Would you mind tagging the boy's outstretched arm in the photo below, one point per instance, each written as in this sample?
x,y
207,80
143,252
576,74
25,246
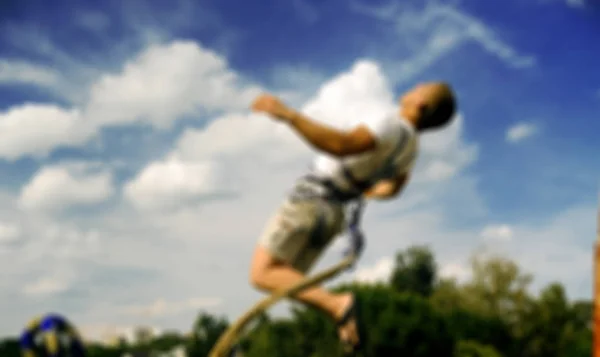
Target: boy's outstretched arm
x,y
324,138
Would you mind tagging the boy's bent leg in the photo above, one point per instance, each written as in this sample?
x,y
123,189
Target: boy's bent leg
x,y
292,241
271,274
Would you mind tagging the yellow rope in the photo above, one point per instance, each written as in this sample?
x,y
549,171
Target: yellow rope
x,y
228,339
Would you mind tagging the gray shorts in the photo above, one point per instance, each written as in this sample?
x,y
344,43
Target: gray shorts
x,y
301,229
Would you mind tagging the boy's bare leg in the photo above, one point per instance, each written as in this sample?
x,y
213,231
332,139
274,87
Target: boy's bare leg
x,y
270,274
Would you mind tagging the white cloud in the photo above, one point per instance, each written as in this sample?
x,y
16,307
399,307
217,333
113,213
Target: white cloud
x,y
45,286
378,272
457,270
576,3
501,232
349,97
36,129
447,153
165,184
9,232
45,64
221,140
58,187
215,160
563,259
53,243
161,85
546,250
520,132
12,71
440,29
57,248
164,83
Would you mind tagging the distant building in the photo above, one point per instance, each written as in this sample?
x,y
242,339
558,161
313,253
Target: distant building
x,y
115,336
178,351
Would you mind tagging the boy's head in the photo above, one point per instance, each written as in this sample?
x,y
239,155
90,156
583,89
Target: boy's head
x,y
429,105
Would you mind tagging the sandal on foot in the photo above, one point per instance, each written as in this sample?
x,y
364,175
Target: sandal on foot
x,y
351,314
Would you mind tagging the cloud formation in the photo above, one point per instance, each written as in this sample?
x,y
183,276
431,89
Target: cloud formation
x,y
61,186
171,231
520,132
159,86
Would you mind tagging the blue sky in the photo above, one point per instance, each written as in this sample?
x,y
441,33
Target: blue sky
x,y
121,130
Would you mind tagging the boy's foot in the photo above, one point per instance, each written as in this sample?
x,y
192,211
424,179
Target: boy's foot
x,y
348,325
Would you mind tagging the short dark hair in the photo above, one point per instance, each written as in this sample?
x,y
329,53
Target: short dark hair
x,y
440,110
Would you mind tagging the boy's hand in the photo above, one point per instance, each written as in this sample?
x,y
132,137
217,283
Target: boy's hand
x,y
271,105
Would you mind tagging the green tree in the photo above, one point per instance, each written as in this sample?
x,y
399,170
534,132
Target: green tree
x,y
402,324
583,314
449,295
97,350
475,349
166,341
494,308
415,314
489,307
9,347
205,333
276,339
553,327
394,324
498,288
414,271
486,330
